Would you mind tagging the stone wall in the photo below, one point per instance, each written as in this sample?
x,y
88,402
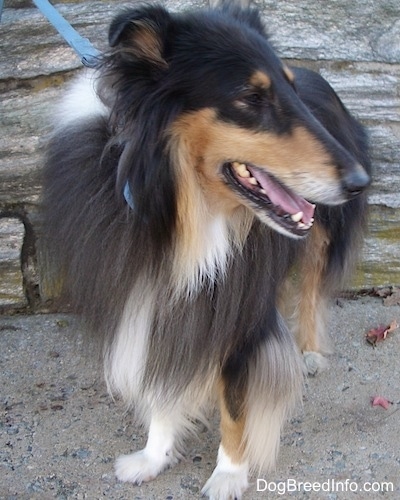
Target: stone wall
x,y
354,45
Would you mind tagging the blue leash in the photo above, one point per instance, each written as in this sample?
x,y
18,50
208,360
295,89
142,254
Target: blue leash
x,y
87,53
85,50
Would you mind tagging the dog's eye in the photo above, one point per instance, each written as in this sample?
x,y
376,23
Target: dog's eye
x,y
253,99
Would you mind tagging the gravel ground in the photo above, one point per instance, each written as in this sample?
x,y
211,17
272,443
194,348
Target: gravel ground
x,y
60,431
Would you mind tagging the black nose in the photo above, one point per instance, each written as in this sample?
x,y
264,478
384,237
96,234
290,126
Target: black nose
x,y
355,181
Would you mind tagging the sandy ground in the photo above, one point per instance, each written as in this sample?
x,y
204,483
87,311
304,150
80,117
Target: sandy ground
x,y
60,431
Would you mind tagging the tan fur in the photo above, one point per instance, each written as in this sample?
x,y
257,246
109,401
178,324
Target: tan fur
x,y
288,73
260,79
304,302
200,144
232,431
294,158
145,43
311,302
204,203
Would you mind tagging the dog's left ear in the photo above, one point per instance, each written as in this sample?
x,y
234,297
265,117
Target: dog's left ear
x,y
141,34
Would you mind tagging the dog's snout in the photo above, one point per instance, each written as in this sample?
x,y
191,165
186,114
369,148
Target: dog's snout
x,y
355,181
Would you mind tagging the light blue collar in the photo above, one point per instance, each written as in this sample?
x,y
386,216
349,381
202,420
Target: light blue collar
x,y
128,196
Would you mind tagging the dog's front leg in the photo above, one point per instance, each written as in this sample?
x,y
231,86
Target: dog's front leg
x,y
312,301
230,477
158,454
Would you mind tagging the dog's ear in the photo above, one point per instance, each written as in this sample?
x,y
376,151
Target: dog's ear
x,y
249,16
141,33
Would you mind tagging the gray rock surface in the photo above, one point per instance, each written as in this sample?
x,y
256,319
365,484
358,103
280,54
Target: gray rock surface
x,y
355,45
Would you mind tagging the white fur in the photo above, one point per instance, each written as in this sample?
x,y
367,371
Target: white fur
x,y
126,359
205,258
169,424
81,101
229,480
216,247
263,432
314,362
275,387
158,454
169,418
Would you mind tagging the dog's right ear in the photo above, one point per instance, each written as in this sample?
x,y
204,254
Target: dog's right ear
x,y
245,13
141,33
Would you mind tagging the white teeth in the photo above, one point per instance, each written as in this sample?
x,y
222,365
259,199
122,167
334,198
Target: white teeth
x,y
241,169
301,225
253,181
297,217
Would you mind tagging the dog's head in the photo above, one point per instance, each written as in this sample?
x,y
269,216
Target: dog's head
x,y
208,88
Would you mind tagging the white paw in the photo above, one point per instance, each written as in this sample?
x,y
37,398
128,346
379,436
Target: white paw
x,y
225,486
228,481
140,467
314,362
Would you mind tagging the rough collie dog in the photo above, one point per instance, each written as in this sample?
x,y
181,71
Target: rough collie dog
x,y
185,178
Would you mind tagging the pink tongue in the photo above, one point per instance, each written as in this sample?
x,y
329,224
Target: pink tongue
x,y
289,201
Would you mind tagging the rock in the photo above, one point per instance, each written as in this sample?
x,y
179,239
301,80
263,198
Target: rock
x,y
355,46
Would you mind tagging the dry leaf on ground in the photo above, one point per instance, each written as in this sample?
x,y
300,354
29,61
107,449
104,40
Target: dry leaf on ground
x,y
380,401
381,332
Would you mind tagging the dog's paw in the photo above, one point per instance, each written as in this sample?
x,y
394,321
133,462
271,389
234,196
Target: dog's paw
x,y
225,486
314,362
228,481
140,467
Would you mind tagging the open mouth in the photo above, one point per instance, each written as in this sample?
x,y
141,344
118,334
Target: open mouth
x,y
286,208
